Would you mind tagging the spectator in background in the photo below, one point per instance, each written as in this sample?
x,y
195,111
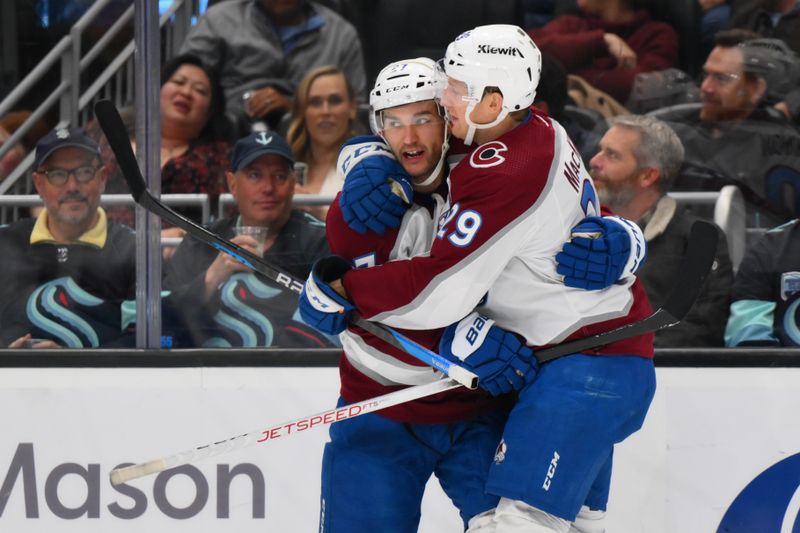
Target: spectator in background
x,y
782,76
68,271
765,308
608,44
638,161
774,19
8,125
12,158
716,14
323,117
221,300
584,126
779,19
261,49
195,147
734,137
537,13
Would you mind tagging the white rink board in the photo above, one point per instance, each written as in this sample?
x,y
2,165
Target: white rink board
x,y
708,434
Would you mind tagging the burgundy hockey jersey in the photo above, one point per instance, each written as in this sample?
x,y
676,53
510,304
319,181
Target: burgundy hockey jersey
x,y
371,367
513,202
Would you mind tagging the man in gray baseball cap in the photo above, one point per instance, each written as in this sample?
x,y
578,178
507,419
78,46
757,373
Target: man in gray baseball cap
x,y
222,301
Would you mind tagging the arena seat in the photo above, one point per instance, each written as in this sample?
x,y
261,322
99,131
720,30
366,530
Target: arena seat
x,y
782,183
728,213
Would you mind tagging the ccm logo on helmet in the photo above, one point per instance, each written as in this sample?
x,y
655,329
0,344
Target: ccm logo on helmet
x,y
398,88
510,51
488,155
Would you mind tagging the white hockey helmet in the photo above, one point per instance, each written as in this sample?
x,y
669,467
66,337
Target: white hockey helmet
x,y
400,83
497,55
405,82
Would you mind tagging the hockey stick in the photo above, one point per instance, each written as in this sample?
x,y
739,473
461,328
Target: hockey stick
x,y
694,269
114,130
696,264
298,425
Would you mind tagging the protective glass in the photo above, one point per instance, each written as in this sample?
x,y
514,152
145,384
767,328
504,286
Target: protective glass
x,y
389,122
256,176
59,176
449,89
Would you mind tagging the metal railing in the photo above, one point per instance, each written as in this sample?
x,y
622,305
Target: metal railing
x,y
199,200
115,82
226,201
729,215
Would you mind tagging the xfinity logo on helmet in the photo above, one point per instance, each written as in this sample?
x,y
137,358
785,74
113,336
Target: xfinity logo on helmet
x,y
510,51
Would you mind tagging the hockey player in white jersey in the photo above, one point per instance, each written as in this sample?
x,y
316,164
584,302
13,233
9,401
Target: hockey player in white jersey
x,y
513,200
375,468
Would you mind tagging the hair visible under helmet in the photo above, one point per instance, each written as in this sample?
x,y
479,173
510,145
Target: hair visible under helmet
x,y
497,55
401,83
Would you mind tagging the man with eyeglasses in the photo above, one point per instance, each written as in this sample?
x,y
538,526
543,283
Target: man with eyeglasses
x,y
66,273
735,137
222,301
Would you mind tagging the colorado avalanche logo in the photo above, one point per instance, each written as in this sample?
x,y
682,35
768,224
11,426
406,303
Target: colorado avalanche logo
x,y
771,502
488,155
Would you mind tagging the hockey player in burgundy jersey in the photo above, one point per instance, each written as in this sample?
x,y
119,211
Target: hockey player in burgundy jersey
x,y
375,468
462,427
512,202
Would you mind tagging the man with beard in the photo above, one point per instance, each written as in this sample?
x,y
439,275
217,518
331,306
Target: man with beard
x,y
512,202
261,49
638,161
735,138
67,273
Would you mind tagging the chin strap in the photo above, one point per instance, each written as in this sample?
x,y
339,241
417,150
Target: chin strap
x,y
440,165
473,126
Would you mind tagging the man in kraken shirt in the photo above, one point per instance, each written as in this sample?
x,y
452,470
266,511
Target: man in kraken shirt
x,y
66,273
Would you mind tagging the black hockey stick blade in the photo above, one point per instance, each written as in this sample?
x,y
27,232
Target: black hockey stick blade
x,y
694,270
115,131
697,264
111,123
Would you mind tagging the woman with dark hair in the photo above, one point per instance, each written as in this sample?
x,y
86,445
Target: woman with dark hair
x,y
195,142
323,117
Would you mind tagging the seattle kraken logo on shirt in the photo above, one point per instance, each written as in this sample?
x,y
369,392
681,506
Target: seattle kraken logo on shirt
x,y
62,310
241,317
787,321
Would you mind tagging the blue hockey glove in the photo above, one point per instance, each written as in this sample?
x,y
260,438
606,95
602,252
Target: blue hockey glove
x,y
377,190
603,250
320,306
496,356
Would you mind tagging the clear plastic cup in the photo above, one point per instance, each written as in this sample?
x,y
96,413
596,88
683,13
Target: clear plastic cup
x,y
31,343
300,171
259,233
